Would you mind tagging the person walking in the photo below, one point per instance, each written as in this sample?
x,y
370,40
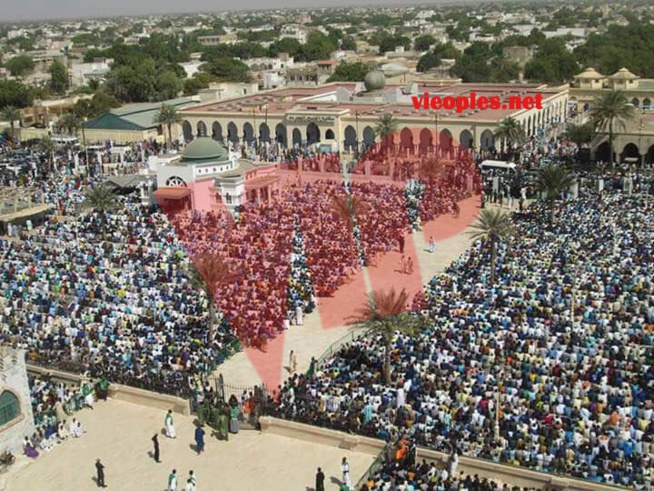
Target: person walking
x,y
99,468
432,244
170,428
345,471
293,362
400,241
155,441
191,480
172,481
320,480
199,439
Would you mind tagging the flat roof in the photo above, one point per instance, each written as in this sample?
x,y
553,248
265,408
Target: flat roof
x,y
281,101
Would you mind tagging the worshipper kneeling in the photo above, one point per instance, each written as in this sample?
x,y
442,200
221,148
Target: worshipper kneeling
x,y
29,449
76,428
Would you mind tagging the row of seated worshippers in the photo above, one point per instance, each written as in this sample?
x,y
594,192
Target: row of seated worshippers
x,y
53,405
329,163
258,247
558,351
109,293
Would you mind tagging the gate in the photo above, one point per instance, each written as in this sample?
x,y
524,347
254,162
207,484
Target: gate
x,y
250,400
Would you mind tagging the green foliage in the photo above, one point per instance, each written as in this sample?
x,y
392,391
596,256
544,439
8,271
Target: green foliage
x,y
100,198
199,81
620,46
388,42
59,81
92,108
423,43
227,70
348,43
552,63
428,61
22,43
350,72
478,64
492,226
19,66
317,47
168,85
609,112
259,36
286,45
13,93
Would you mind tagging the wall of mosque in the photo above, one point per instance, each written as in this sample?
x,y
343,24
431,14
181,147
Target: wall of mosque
x,y
14,400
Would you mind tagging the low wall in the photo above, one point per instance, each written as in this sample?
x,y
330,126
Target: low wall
x,y
122,392
517,476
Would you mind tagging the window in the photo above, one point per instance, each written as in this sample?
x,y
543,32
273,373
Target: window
x,y
9,407
228,199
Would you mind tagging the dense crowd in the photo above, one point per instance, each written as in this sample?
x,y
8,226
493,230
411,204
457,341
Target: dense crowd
x,y
550,368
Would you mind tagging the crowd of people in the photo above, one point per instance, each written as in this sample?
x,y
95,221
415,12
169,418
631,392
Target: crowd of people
x,y
549,368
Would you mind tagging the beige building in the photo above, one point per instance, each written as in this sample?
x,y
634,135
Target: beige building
x,y
590,83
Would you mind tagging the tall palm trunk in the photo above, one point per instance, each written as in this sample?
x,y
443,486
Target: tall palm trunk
x,y
611,140
388,342
170,133
211,324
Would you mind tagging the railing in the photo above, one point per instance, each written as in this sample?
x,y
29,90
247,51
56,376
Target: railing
x,y
336,346
371,471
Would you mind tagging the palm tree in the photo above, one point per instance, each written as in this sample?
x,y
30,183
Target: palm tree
x,y
100,198
348,208
492,226
384,314
608,110
512,133
386,126
553,180
12,114
71,123
207,273
47,146
431,169
579,133
167,116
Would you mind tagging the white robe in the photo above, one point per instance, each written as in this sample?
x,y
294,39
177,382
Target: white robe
x,y
299,316
170,429
345,469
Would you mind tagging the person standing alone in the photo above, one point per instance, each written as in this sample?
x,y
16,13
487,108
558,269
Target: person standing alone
x,y
155,441
100,474
170,429
320,480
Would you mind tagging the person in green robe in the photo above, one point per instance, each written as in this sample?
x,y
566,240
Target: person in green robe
x,y
223,425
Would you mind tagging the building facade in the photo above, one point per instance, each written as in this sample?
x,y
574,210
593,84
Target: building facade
x,y
16,418
348,114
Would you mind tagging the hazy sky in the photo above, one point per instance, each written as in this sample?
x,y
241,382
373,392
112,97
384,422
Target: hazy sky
x,y
13,10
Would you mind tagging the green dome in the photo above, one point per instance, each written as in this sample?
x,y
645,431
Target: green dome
x,y
374,80
205,149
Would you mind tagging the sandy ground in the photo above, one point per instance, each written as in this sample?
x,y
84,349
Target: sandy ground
x,y
119,434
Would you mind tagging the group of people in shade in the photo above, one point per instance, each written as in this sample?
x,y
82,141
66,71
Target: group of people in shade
x,y
549,367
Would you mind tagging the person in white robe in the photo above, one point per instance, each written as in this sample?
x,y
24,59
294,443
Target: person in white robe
x,y
170,429
345,471
77,430
299,316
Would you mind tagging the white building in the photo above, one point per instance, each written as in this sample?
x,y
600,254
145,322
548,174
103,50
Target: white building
x,y
294,31
16,418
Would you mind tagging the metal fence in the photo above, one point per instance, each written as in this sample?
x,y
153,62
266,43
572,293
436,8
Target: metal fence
x,y
333,348
374,468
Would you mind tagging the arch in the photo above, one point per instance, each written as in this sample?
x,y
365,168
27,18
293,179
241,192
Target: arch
x,y
649,156
217,131
406,138
202,128
426,139
297,137
248,133
603,152
635,101
187,131
232,132
445,139
351,140
368,136
465,138
329,135
175,181
280,135
9,407
264,133
630,150
313,133
487,140
647,103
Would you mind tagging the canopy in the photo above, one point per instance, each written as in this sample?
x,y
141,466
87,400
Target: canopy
x,y
498,164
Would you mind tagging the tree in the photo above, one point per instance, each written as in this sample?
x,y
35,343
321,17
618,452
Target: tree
x,y
553,180
207,274
11,114
512,133
384,314
100,198
70,122
349,208
552,63
59,81
608,110
386,126
348,43
350,72
424,42
580,134
227,70
19,66
168,85
428,61
317,47
291,46
492,226
47,146
13,93
389,43
197,82
167,116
